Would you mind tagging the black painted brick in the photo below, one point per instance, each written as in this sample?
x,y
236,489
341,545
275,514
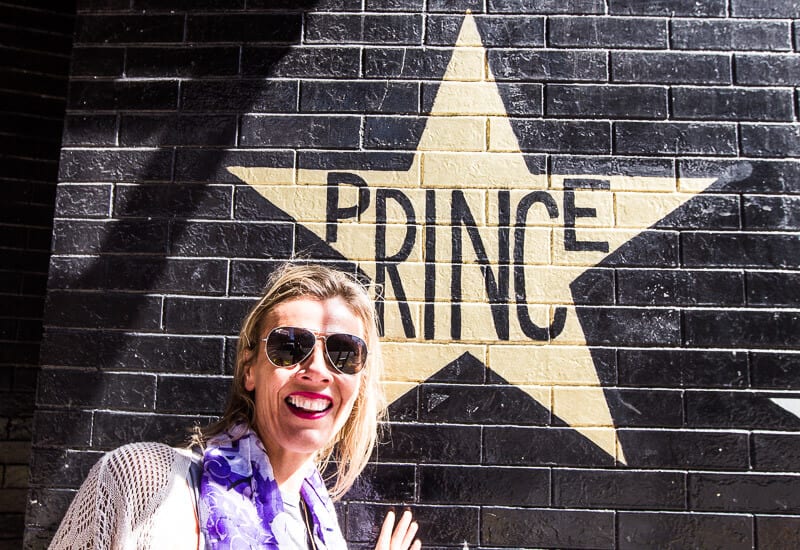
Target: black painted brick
x,y
765,70
260,240
776,452
112,350
518,527
406,62
62,428
548,65
128,28
771,140
140,273
90,388
536,446
612,166
83,201
775,370
45,510
496,31
341,132
364,29
643,408
578,7
238,27
123,95
781,9
195,201
478,485
384,482
99,310
293,5
648,249
630,326
211,165
607,32
115,165
300,61
393,133
183,62
606,101
61,468
457,6
433,444
680,449
656,287
744,492
204,315
159,130
359,96
670,68
87,237
732,104
736,409
767,212
675,138
192,395
731,35
393,5
701,249
362,160
773,289
745,176
675,531
239,95
555,136
35,127
679,8
619,489
480,404
757,329
777,531
682,368
183,5
90,130
113,429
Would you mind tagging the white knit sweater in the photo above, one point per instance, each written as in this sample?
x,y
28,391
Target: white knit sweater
x,y
135,497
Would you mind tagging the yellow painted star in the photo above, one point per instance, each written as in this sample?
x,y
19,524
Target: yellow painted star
x,y
468,224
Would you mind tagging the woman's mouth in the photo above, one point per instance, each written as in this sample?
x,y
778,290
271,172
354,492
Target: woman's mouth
x,y
309,405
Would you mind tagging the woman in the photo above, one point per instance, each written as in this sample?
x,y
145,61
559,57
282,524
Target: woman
x,y
306,391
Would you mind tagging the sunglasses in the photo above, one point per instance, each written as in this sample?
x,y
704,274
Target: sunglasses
x,y
288,346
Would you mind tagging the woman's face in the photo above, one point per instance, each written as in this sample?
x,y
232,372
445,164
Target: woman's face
x,y
300,409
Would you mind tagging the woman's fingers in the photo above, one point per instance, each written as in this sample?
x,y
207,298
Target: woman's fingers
x,y
400,537
385,536
410,529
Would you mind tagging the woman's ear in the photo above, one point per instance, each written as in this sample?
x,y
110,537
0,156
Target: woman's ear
x,y
249,374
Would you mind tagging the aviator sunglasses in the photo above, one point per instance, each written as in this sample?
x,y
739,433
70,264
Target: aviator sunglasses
x,y
288,346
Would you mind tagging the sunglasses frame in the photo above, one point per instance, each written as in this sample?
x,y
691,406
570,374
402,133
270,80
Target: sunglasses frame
x,y
318,336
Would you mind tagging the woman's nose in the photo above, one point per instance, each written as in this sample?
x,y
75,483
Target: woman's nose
x,y
316,365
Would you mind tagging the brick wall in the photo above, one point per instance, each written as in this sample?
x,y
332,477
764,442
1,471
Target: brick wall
x,y
34,63
584,214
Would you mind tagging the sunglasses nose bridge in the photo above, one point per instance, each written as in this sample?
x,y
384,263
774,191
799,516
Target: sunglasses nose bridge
x,y
318,357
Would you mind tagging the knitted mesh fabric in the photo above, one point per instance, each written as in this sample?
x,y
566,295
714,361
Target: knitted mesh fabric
x,y
115,506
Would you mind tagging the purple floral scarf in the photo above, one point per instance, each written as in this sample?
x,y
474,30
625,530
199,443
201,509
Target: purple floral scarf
x,y
240,504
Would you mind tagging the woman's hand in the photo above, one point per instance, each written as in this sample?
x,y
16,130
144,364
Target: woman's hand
x,y
403,536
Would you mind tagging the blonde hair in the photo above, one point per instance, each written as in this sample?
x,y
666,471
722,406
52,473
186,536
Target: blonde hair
x,y
351,448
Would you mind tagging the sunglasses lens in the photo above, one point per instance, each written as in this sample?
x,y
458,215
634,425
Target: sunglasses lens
x,y
287,346
346,352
